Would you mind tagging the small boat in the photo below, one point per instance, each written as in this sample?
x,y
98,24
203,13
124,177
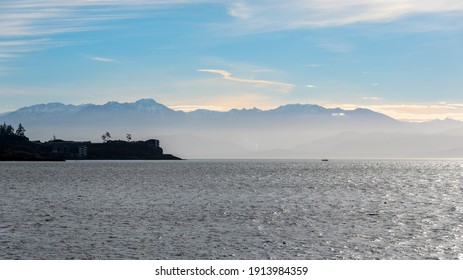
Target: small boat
x,y
324,159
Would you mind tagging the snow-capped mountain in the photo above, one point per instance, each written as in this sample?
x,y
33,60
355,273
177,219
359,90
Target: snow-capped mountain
x,y
50,108
148,110
293,130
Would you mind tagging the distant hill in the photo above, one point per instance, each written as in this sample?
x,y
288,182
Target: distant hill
x,y
19,148
149,111
289,131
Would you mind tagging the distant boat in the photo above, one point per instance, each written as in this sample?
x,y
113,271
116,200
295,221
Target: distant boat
x,y
324,159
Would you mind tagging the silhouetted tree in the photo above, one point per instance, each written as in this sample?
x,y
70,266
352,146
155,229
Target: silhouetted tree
x,y
129,137
106,137
20,131
6,129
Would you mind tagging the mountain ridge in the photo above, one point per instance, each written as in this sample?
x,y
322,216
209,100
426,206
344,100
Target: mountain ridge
x,y
291,130
151,106
151,103
145,111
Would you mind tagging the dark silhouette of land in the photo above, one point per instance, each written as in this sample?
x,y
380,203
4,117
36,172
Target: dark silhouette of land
x,y
15,146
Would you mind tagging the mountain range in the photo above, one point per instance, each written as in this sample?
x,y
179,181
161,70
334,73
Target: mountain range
x,y
289,131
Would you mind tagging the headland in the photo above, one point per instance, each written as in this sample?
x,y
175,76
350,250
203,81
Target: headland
x,y
18,147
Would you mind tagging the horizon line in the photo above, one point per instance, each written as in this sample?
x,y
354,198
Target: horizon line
x,y
181,108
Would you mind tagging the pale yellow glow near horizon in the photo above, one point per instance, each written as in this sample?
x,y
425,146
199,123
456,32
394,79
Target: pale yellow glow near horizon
x,y
411,112
403,112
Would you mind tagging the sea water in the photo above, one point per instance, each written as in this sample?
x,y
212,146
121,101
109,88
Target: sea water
x,y
262,209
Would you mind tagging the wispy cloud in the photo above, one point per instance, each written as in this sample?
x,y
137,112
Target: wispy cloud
x,y
32,19
240,10
102,59
296,14
45,17
39,17
15,48
228,76
310,86
24,21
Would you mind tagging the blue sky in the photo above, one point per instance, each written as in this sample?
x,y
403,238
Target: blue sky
x,y
400,57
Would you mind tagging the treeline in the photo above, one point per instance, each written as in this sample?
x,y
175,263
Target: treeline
x,y
8,129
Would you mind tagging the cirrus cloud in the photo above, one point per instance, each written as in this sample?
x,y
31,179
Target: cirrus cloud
x,y
30,19
228,76
102,59
297,14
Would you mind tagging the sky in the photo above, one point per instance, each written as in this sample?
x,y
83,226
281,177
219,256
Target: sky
x,y
403,58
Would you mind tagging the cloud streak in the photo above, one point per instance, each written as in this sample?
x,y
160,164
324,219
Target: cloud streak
x,y
298,14
39,17
102,59
228,76
45,17
31,19
16,48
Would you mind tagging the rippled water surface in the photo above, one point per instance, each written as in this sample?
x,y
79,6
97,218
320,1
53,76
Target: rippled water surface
x,y
232,210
